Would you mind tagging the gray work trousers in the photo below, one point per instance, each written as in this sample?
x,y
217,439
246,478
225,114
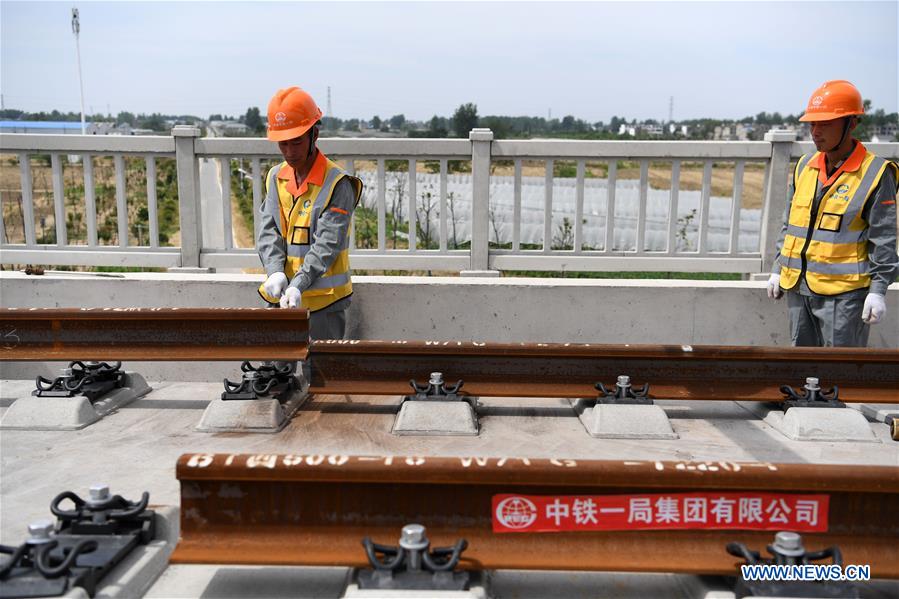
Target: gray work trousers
x,y
322,325
827,321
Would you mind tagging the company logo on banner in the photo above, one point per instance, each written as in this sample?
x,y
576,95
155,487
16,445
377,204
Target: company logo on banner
x,y
660,511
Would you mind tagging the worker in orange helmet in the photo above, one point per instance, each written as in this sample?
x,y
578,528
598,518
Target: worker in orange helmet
x,y
836,254
303,238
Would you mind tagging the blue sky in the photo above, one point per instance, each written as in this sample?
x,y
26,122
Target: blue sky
x,y
590,59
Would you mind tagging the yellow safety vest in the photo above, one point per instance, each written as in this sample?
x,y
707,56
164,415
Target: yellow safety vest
x,y
297,219
835,246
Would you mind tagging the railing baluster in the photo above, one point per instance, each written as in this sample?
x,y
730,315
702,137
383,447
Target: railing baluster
x,y
735,208
548,206
59,200
704,207
382,206
152,202
516,207
443,213
610,206
90,200
257,196
413,215
639,245
121,205
351,170
225,176
579,207
672,207
3,239
27,199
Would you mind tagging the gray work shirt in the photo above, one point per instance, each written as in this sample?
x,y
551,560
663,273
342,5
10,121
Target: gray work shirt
x,y
880,214
331,230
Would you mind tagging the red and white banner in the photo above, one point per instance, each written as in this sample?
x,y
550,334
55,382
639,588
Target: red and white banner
x,y
660,511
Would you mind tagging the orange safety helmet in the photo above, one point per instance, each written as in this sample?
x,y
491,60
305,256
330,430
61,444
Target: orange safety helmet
x,y
833,100
291,113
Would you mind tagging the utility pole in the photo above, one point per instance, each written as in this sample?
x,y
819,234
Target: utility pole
x,y
76,29
671,109
329,113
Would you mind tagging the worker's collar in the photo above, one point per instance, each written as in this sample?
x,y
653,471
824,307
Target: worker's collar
x,y
316,175
850,165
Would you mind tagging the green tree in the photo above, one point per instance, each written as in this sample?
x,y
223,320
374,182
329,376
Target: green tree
x,y
465,119
437,127
397,121
125,117
253,120
376,122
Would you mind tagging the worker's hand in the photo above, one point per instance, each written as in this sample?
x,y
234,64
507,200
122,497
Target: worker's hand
x,y
875,308
292,298
774,291
274,285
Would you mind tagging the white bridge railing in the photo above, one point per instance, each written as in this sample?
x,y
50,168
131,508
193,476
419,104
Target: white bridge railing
x,y
497,218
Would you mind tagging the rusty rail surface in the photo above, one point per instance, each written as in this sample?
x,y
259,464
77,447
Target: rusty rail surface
x,y
166,334
571,370
315,509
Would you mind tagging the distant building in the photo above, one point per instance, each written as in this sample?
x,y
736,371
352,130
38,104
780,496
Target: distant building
x,y
65,128
229,128
45,127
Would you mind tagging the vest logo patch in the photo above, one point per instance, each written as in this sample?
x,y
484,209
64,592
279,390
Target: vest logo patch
x,y
306,204
842,193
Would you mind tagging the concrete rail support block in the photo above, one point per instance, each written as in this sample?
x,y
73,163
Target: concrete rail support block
x,y
252,415
822,424
137,572
609,421
71,413
436,418
478,588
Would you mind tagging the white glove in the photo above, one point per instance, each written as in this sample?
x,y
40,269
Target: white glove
x,y
875,308
275,284
774,291
291,298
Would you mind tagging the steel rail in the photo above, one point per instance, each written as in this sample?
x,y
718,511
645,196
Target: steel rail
x,y
315,509
165,334
571,370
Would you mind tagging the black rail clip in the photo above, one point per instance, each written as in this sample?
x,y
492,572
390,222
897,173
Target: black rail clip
x,y
80,548
787,550
91,379
623,393
414,565
437,390
811,396
270,379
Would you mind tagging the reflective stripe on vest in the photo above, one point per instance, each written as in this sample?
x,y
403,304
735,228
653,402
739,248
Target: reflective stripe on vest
x,y
298,219
836,259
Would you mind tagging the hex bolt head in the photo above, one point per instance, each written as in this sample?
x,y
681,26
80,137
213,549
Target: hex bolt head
x,y
99,493
788,543
414,537
624,381
811,383
39,531
436,378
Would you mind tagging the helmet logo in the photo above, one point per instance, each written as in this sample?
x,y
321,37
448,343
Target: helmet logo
x,y
280,117
817,100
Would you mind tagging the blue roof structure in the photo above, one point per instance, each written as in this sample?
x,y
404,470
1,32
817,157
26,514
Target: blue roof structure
x,y
41,125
